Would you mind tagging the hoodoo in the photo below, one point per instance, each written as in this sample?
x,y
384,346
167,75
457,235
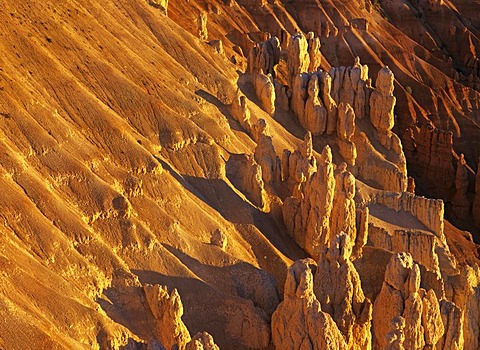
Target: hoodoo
x,y
240,174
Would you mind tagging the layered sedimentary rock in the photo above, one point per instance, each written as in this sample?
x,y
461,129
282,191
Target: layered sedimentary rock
x,y
338,287
427,243
428,211
350,85
299,321
90,97
329,103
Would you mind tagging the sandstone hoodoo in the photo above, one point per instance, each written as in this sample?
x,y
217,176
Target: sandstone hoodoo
x,y
241,174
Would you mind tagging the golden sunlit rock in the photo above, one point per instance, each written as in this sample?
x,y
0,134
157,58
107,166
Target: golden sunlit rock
x,y
239,174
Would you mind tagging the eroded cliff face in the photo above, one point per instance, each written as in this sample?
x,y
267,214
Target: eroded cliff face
x,y
235,175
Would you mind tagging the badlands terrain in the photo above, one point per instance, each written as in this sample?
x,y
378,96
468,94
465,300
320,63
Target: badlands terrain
x,y
240,174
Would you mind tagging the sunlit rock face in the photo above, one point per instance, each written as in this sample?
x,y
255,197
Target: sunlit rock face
x,y
239,175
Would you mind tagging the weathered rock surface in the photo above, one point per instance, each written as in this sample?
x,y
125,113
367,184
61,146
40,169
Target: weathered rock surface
x,y
245,174
345,131
167,310
264,57
298,166
266,157
314,52
460,202
476,201
162,5
343,218
299,321
240,111
315,116
307,213
202,26
381,105
401,296
265,91
202,341
219,239
298,57
337,286
429,153
115,133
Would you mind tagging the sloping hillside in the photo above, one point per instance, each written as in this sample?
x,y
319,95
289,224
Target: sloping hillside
x,y
122,155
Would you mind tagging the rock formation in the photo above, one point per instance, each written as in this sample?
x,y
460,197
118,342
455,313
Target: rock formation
x,y
476,201
265,91
219,239
264,57
167,310
162,5
282,95
202,341
202,26
298,166
345,131
171,332
314,52
453,320
97,98
395,337
329,103
298,57
307,213
429,153
299,87
245,174
266,157
350,85
315,115
343,218
401,295
299,322
240,111
381,105
362,217
338,287
460,202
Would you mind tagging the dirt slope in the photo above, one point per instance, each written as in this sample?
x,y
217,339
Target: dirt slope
x,y
115,131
